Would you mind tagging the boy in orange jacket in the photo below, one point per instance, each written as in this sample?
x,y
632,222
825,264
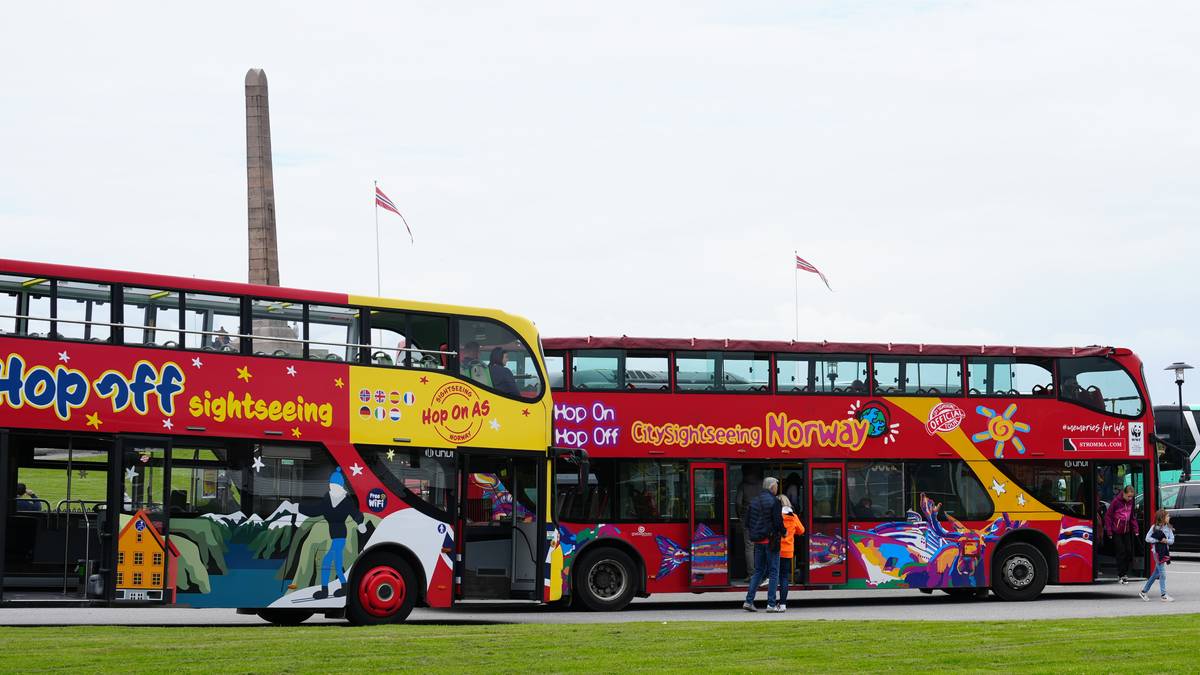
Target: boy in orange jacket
x,y
787,550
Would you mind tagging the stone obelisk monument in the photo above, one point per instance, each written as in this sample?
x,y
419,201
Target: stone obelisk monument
x,y
260,182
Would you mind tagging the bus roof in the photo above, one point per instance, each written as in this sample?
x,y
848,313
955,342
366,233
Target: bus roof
x,y
709,344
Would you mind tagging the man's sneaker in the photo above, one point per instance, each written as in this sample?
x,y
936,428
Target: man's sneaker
x,y
1124,581
782,607
774,609
1144,596
749,607
1165,598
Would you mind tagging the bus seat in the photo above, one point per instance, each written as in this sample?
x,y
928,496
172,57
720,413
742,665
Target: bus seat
x,y
443,348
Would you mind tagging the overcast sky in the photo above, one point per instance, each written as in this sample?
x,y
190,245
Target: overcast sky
x,y
1006,172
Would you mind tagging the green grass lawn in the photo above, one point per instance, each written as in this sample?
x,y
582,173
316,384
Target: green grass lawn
x,y
1142,643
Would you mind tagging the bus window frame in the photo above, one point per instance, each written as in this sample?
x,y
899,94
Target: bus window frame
x,y
831,356
1142,397
903,361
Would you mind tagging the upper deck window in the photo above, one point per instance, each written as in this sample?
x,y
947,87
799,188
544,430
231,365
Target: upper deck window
x,y
38,304
595,369
1099,383
646,371
276,326
213,322
556,365
151,317
696,371
83,310
745,371
918,375
1010,376
409,340
494,356
330,331
821,373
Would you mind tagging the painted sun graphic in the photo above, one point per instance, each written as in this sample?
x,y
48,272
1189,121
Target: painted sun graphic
x,y
1002,429
876,414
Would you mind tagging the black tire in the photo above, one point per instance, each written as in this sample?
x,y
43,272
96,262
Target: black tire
x,y
1019,572
604,579
383,589
284,617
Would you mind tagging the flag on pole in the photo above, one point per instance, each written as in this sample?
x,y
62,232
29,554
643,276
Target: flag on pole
x,y
388,205
802,264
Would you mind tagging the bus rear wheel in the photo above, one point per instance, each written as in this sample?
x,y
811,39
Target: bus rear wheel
x,y
604,580
284,617
1019,572
383,590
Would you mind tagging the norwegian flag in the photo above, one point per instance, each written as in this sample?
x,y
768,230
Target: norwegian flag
x,y
802,264
388,205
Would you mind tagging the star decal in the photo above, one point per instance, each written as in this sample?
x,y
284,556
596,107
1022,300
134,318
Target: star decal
x,y
998,487
495,425
391,454
258,463
295,432
337,382
424,380
197,363
64,357
130,473
168,424
1020,500
93,420
291,370
525,412
243,373
355,469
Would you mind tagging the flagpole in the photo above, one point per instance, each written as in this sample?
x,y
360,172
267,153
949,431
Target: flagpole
x,y
378,273
796,283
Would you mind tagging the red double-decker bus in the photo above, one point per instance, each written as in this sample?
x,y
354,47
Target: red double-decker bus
x,y
959,468
166,440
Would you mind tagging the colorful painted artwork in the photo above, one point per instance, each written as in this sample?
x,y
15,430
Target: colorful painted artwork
x,y
673,556
570,542
1075,541
489,487
1001,429
825,550
925,552
709,552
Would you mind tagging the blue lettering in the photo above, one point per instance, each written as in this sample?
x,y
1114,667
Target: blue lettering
x,y
72,392
11,379
112,385
144,380
39,387
170,385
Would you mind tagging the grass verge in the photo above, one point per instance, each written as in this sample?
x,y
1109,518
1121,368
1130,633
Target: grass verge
x,y
1058,646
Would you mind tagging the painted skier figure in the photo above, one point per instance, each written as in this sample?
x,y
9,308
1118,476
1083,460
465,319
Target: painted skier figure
x,y
335,507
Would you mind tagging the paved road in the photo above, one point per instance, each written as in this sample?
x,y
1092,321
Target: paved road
x,y
1059,602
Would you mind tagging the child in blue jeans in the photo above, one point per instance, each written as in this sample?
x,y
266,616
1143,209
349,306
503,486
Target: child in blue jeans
x,y
1160,537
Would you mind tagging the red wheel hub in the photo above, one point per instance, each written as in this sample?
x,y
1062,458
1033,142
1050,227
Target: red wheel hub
x,y
381,591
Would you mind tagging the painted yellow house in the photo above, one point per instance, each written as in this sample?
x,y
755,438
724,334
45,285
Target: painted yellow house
x,y
146,564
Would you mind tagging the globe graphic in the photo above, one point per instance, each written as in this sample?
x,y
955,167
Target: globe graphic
x,y
877,418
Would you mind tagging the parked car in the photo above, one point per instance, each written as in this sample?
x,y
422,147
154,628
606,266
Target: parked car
x,y
1182,501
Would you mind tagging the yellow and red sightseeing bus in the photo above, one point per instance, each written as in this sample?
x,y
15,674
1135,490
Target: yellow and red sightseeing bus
x,y
173,441
911,466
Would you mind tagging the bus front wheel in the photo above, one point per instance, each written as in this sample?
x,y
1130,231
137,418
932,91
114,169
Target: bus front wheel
x,y
1019,572
604,580
284,617
383,590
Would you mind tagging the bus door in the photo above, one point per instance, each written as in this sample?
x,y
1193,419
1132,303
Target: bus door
x,y
827,523
1110,479
709,526
499,525
146,560
52,532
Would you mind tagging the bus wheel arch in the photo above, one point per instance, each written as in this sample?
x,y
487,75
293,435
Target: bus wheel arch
x,y
605,562
1020,568
386,582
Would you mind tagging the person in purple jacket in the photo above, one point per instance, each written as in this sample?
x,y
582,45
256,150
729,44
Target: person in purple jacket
x,y
1120,524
